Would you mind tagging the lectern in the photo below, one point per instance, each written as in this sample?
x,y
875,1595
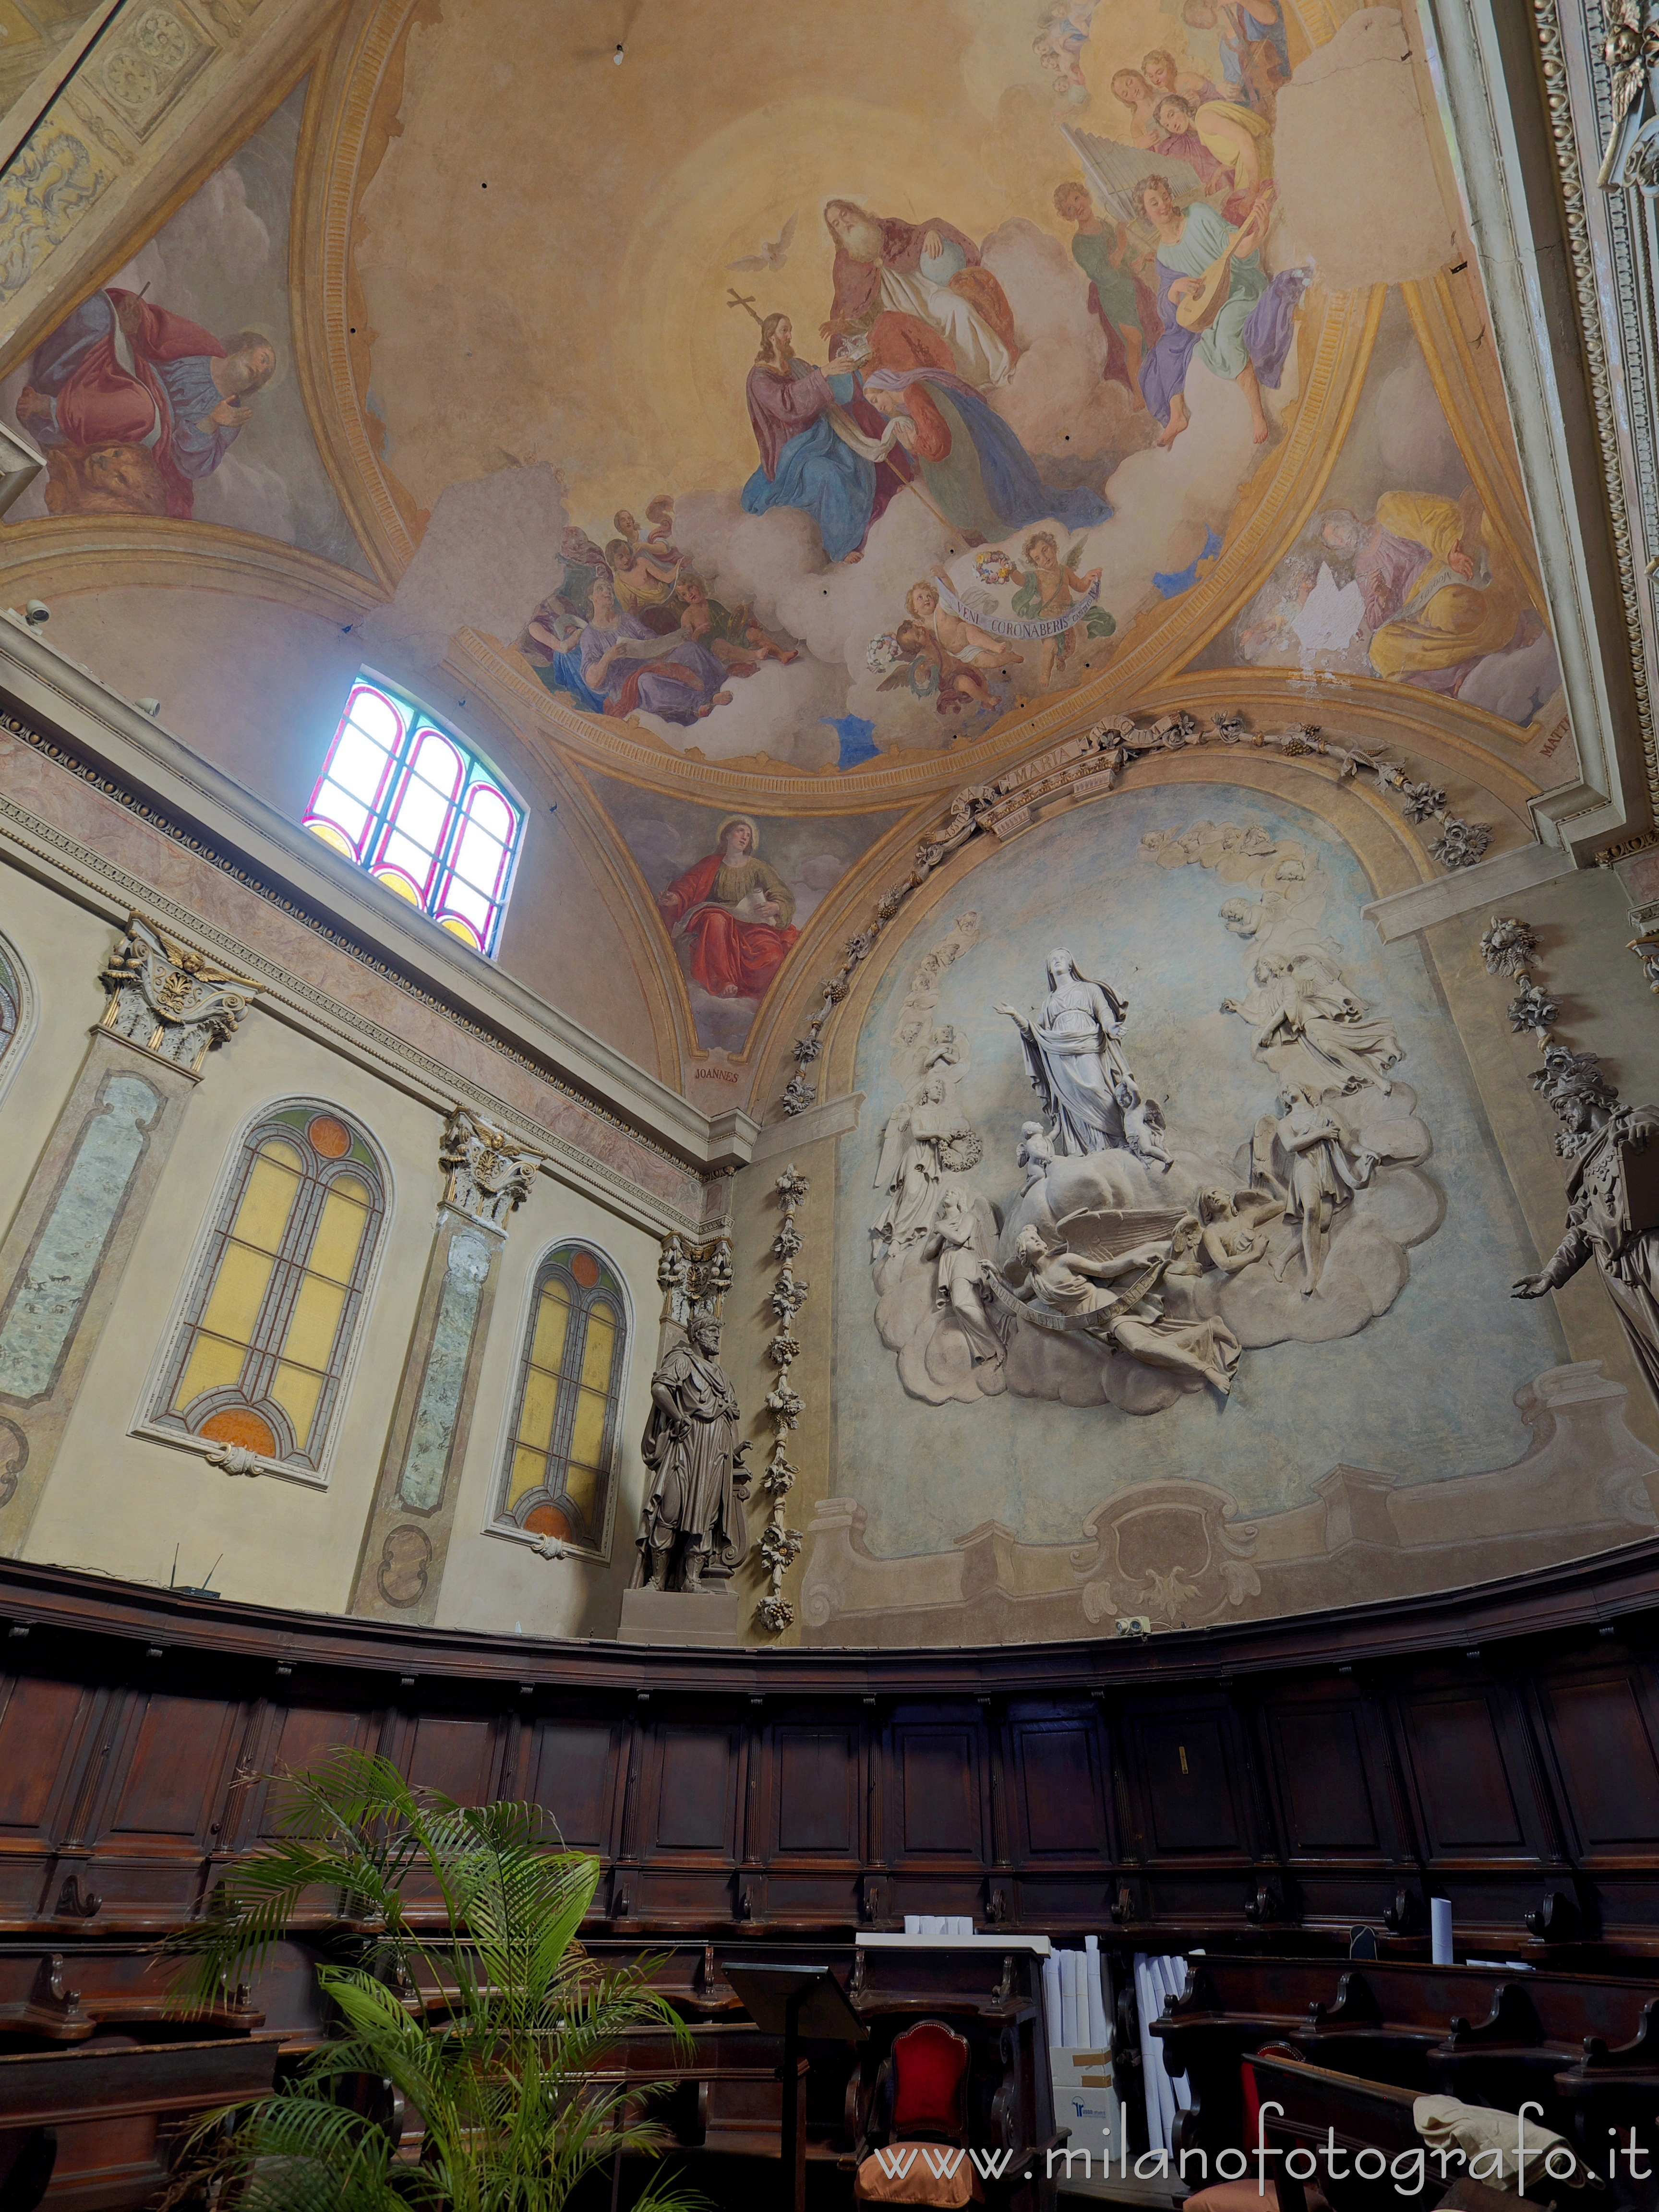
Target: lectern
x,y
794,2002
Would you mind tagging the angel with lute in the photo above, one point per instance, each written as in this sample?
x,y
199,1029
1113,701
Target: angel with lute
x,y
1217,302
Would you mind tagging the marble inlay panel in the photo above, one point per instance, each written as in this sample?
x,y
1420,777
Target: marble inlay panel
x,y
433,1433
51,1293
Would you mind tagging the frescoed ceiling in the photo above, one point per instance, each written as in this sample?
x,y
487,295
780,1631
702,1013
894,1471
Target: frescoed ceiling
x,y
790,416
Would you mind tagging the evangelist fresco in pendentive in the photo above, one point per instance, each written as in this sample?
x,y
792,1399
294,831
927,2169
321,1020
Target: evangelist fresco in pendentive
x,y
888,405
171,391
1403,572
733,891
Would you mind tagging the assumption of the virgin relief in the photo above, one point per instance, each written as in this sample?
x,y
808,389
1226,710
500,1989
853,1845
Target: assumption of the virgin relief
x,y
1002,648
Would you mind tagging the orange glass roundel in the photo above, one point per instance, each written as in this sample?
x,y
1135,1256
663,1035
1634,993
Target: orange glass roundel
x,y
329,1137
585,1269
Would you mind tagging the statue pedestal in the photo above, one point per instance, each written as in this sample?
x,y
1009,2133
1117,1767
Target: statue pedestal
x,y
654,1616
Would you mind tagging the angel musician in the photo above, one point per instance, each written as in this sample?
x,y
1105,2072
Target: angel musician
x,y
1105,1269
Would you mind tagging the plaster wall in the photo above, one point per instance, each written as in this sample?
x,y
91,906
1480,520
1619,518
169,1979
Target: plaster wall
x,y
116,1503
257,688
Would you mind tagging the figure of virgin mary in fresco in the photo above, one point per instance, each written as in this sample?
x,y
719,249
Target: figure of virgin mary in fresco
x,y
823,447
976,471
733,913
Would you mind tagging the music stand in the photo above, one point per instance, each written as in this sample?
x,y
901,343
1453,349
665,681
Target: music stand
x,y
794,2002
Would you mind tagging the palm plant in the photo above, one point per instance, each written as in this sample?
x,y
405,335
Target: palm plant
x,y
491,2026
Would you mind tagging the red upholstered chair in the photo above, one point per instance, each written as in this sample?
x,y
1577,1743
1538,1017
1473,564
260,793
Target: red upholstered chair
x,y
929,2083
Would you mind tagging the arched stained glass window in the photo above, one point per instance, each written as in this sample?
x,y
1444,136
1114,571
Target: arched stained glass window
x,y
561,1451
262,1352
421,812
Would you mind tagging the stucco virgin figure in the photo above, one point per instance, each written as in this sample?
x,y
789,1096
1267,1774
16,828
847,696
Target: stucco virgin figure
x,y
1075,1058
698,1481
1613,1217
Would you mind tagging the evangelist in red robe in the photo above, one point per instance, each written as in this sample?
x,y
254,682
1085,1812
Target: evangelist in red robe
x,y
711,910
153,387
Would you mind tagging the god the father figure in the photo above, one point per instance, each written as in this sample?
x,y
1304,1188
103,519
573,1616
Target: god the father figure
x,y
699,1482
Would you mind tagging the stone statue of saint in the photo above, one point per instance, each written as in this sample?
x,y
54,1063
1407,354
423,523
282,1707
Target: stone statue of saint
x,y
1612,1214
1074,1055
692,1523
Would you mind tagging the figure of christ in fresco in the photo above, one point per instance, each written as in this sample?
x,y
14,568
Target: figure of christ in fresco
x,y
1125,307
1250,334
930,271
625,666
976,474
733,913
823,448
135,404
1438,594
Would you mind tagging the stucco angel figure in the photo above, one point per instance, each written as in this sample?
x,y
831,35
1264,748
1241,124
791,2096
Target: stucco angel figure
x,y
1074,1054
908,1168
1104,1273
965,1281
1310,1028
1310,1152
694,1507
1613,1217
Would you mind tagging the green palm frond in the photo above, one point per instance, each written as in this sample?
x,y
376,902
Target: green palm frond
x,y
459,1983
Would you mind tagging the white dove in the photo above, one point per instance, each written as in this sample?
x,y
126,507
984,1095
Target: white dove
x,y
769,257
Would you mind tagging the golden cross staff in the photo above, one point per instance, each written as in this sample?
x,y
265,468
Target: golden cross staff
x,y
735,299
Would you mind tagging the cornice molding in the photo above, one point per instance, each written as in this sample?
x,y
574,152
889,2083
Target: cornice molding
x,y
140,763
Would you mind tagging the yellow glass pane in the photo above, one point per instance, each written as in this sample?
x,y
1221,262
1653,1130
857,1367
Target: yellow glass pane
x,y
400,883
581,1488
552,1320
269,1199
541,1399
297,1394
596,1352
529,1472
588,1430
233,1305
330,836
339,1232
211,1366
313,1322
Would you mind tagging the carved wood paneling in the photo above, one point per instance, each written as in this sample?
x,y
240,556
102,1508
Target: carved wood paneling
x,y
1279,1801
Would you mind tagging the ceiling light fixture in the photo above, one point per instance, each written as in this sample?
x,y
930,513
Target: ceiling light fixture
x,y
618,55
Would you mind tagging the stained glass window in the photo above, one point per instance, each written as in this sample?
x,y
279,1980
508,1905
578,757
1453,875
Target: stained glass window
x,y
562,1452
262,1352
421,811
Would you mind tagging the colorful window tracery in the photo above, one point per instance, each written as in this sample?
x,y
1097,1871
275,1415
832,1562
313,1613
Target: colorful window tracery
x,y
261,1355
561,1452
424,815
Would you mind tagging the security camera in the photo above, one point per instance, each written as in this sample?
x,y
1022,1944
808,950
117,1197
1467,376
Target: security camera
x,y
151,707
37,612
